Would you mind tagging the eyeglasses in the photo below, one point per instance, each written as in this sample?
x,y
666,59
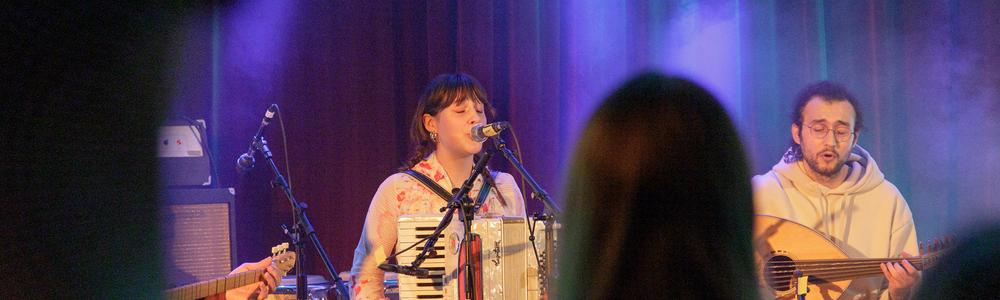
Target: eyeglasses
x,y
841,133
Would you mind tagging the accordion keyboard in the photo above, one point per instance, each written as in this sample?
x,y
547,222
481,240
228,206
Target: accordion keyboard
x,y
412,229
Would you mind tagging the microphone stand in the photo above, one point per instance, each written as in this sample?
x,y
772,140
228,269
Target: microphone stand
x,y
548,215
302,227
468,213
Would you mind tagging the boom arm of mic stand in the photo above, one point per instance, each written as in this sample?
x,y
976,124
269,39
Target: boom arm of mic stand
x,y
542,194
304,226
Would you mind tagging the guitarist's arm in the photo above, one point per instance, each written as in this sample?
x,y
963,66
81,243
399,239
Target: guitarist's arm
x,y
257,290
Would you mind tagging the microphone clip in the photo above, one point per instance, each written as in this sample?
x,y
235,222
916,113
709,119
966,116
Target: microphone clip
x,y
246,160
405,270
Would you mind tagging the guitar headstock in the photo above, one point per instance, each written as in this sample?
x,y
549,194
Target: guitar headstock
x,y
283,259
933,249
937,245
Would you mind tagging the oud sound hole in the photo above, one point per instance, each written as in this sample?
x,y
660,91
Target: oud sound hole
x,y
778,272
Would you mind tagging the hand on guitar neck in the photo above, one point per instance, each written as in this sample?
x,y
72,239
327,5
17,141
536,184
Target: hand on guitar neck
x,y
902,276
259,290
248,281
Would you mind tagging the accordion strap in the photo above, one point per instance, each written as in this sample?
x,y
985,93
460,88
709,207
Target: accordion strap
x,y
440,191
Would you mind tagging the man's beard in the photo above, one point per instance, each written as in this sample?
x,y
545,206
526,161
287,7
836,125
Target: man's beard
x,y
829,171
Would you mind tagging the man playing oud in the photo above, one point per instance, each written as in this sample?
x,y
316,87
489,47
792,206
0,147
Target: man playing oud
x,y
827,182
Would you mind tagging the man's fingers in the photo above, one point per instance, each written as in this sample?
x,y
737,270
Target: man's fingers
x,y
889,272
900,270
271,276
262,293
901,277
909,267
263,263
241,268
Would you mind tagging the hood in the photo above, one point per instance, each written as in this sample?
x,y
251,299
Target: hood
x,y
857,182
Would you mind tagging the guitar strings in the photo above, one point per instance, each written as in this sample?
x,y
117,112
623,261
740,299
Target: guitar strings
x,y
829,273
827,267
831,269
818,261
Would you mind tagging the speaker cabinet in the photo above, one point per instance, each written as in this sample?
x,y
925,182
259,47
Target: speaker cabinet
x,y
198,239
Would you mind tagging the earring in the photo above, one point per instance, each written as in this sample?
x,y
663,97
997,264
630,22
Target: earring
x,y
434,137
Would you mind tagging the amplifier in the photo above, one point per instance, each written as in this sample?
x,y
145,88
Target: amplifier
x,y
197,230
183,157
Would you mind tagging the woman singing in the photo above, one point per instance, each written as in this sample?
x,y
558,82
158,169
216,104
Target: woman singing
x,y
444,152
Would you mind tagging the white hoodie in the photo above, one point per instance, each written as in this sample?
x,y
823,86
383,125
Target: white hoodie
x,y
865,216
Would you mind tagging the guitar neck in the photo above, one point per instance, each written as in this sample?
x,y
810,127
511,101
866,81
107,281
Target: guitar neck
x,y
841,269
215,286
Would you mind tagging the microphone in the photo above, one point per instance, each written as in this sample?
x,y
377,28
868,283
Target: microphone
x,y
482,132
405,270
246,161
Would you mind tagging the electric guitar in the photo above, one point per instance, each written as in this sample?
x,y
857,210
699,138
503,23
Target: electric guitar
x,y
282,259
785,251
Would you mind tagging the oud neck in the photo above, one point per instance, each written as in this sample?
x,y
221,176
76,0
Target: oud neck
x,y
215,286
841,269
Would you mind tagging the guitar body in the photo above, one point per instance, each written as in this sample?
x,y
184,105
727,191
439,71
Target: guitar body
x,y
778,241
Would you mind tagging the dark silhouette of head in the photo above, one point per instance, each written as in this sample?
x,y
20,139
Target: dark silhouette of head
x,y
658,199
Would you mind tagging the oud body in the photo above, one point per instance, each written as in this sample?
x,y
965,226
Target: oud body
x,y
784,251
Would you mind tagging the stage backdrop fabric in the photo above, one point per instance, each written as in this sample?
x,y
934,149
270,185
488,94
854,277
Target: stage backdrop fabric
x,y
347,75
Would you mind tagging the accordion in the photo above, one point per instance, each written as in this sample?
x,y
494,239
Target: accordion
x,y
505,261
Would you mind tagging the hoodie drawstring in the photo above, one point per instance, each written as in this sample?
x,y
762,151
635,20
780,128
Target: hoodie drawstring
x,y
827,218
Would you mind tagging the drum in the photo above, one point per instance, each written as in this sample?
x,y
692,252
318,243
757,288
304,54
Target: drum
x,y
319,289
